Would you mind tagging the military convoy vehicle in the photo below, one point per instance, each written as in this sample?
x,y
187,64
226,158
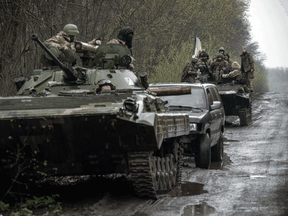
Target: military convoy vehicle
x,y
90,121
236,99
206,117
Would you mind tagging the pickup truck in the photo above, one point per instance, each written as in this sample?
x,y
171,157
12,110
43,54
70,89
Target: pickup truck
x,y
204,106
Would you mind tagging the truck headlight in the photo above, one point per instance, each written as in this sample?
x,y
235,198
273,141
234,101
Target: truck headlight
x,y
193,127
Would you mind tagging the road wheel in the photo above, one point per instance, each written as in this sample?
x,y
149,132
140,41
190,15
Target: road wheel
x,y
217,150
158,172
203,155
245,116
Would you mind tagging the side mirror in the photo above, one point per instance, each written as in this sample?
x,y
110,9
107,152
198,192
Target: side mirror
x,y
215,105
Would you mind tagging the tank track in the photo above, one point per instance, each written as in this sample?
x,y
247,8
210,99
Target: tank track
x,y
154,175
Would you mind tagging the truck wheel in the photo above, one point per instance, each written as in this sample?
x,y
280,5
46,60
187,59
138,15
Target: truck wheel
x,y
217,150
245,116
203,155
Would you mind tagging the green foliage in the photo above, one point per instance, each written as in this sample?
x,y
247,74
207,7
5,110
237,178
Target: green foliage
x,y
4,206
48,202
170,67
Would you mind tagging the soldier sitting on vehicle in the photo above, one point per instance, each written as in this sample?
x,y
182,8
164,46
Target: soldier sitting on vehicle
x,y
62,46
227,58
221,50
235,74
218,67
125,37
189,73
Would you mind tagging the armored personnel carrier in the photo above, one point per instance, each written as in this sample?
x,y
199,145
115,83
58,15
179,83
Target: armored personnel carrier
x,y
235,97
80,121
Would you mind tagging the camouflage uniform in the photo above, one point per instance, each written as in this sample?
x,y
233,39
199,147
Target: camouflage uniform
x,y
235,74
247,68
189,73
63,43
218,68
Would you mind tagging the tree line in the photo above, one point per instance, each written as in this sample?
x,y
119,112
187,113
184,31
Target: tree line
x,y
163,32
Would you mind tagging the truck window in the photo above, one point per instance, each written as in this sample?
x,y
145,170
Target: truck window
x,y
214,94
217,94
210,98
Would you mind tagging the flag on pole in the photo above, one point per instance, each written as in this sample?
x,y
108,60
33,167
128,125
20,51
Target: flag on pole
x,y
197,47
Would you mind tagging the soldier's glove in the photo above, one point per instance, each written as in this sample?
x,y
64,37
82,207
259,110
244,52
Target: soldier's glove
x,y
252,70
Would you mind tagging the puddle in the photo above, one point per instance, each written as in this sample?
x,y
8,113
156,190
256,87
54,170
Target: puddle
x,y
188,189
257,176
228,140
139,214
202,209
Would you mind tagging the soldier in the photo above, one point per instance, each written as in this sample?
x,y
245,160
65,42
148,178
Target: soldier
x,y
221,50
189,73
227,58
62,46
247,68
218,67
125,37
235,74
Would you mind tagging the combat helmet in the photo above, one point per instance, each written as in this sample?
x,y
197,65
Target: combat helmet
x,y
220,55
221,49
194,60
71,29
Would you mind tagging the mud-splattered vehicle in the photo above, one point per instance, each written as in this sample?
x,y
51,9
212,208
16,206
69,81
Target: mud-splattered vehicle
x,y
81,121
236,98
206,117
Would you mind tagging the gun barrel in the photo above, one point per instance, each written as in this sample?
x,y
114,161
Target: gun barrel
x,y
82,47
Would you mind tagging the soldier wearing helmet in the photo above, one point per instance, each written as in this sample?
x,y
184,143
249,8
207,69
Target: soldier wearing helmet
x,y
62,46
189,73
218,67
247,68
221,50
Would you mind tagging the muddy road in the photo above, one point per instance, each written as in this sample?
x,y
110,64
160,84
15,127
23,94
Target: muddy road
x,y
252,179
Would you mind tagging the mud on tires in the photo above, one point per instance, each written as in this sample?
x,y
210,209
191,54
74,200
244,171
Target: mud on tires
x,y
203,155
217,150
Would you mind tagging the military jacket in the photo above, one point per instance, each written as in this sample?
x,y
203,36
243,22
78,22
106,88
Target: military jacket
x,y
61,41
189,73
247,62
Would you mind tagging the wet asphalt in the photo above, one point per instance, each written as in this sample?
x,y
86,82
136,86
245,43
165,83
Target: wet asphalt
x,y
251,180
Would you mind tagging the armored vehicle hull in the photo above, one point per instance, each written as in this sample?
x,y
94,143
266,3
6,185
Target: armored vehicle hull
x,y
82,135
97,120
236,101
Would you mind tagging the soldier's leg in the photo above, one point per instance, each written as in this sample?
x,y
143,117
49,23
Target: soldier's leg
x,y
250,78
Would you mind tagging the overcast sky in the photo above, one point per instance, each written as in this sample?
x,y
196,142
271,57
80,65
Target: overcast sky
x,y
269,26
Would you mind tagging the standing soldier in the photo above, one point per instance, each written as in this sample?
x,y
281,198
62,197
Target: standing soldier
x,y
247,68
218,67
189,73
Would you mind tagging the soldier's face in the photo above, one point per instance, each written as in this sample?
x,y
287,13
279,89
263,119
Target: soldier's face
x,y
221,51
72,38
219,59
243,50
